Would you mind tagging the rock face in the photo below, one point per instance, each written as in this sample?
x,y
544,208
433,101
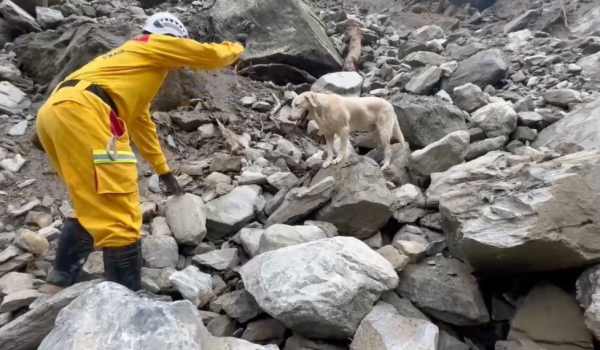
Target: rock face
x,y
581,127
340,279
384,329
172,325
440,155
424,120
495,119
559,327
341,83
484,68
306,46
445,289
517,229
228,214
360,193
186,217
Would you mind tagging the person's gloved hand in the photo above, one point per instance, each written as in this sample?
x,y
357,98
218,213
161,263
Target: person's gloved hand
x,y
241,38
171,183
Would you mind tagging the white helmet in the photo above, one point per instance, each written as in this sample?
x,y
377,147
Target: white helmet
x,y
165,23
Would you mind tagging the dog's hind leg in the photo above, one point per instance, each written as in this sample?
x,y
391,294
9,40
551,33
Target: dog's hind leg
x,y
343,145
329,141
385,130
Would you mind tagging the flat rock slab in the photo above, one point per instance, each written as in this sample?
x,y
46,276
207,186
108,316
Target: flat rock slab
x,y
228,214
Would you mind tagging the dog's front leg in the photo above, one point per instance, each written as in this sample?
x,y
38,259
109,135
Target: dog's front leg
x,y
343,145
329,141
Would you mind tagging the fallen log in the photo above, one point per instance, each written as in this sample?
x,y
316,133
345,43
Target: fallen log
x,y
354,41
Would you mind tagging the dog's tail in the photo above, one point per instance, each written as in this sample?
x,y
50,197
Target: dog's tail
x,y
398,133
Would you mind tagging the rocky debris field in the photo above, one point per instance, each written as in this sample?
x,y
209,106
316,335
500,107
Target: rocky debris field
x,y
484,235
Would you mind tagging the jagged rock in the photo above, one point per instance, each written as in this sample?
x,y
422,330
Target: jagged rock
x,y
12,99
469,97
591,69
13,165
448,68
562,97
297,342
558,327
49,18
14,282
408,203
282,180
341,83
495,119
28,331
301,201
18,129
158,279
432,242
286,147
413,249
579,127
448,342
186,216
32,242
461,53
384,329
445,289
250,239
222,326
424,58
308,49
336,307
19,299
228,214
252,178
239,305
484,68
279,236
5,318
194,285
521,21
360,192
18,17
160,251
92,316
9,252
218,259
524,134
424,120
189,120
160,227
476,134
530,119
265,331
480,148
482,232
440,155
223,163
427,33
394,257
422,83
7,33
587,295
403,306
15,262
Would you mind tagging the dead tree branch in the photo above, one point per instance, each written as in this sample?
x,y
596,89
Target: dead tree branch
x,y
354,37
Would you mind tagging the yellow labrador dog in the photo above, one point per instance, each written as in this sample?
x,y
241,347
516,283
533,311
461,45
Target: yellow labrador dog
x,y
335,114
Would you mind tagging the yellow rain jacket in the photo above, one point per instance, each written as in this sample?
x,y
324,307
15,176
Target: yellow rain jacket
x,y
74,126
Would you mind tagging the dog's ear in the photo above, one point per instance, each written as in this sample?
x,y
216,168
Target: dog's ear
x,y
312,98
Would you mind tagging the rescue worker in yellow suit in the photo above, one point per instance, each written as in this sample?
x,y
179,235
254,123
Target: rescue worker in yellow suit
x,y
85,128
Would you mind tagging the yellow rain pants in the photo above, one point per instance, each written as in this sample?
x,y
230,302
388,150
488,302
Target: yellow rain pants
x,y
74,128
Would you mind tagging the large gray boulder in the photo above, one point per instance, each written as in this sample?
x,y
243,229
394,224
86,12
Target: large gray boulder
x,y
341,83
501,214
384,329
484,68
582,127
425,119
284,32
360,193
444,289
116,318
320,289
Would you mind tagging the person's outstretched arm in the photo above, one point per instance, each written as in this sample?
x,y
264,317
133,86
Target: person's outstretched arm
x,y
143,134
172,52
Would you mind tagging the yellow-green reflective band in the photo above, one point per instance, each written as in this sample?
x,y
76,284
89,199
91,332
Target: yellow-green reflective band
x,y
100,157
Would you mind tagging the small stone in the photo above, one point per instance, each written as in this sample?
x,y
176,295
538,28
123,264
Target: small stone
x,y
32,242
283,180
250,239
148,211
207,131
562,97
261,106
160,227
9,252
223,163
194,285
375,242
265,331
160,251
524,134
13,165
239,305
518,77
18,129
252,178
469,97
222,326
480,148
26,183
448,68
414,250
14,282
50,233
247,101
18,299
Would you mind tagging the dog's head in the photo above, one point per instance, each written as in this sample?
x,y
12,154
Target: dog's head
x,y
302,104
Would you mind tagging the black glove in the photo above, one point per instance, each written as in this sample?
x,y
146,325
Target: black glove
x,y
241,38
171,183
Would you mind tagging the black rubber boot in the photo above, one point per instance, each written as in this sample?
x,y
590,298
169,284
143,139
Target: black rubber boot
x,y
74,247
123,265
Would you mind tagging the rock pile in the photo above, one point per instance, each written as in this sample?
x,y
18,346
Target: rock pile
x,y
462,243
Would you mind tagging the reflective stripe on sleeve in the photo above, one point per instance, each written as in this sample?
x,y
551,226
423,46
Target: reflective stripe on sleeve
x,y
100,157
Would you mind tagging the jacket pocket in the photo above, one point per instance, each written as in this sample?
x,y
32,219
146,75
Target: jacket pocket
x,y
117,176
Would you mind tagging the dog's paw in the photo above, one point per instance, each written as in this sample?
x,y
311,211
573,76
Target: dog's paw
x,y
336,161
326,164
384,167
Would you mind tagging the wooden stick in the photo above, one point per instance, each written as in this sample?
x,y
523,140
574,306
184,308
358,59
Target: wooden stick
x,y
275,110
354,37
